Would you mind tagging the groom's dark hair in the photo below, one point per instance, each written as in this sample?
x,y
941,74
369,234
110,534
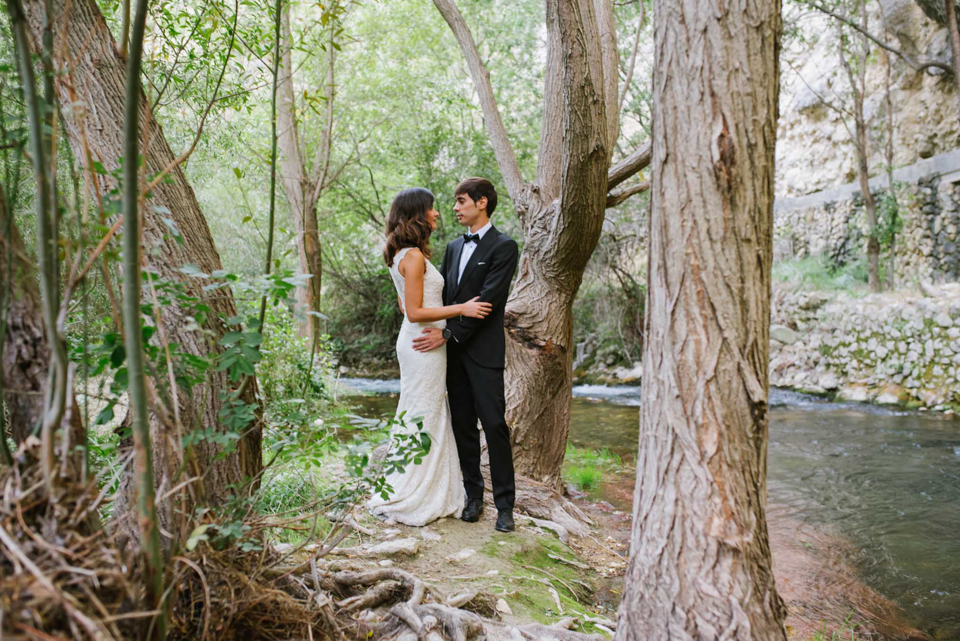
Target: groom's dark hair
x,y
477,188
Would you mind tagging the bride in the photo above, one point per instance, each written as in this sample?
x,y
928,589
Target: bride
x,y
434,488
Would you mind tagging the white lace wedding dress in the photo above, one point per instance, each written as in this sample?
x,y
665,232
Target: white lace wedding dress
x,y
434,488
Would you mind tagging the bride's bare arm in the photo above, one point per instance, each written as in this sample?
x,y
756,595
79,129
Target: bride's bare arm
x,y
412,268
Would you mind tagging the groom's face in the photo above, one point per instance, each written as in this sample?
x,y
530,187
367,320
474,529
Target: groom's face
x,y
469,212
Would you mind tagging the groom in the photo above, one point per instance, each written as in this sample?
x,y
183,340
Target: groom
x,y
480,263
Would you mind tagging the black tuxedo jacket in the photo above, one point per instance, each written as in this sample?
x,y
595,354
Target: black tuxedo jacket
x,y
487,275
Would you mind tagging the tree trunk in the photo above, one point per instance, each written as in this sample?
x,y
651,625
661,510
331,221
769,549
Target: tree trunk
x,y
26,352
561,213
700,560
303,189
869,202
90,89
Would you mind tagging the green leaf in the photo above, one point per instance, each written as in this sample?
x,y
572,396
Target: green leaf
x,y
231,338
199,534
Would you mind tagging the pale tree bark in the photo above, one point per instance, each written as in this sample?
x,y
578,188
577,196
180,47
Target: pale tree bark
x,y
90,90
700,559
302,186
561,213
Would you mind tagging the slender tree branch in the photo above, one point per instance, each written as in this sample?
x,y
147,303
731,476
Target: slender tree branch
x,y
506,158
133,339
322,164
617,197
206,112
916,65
633,55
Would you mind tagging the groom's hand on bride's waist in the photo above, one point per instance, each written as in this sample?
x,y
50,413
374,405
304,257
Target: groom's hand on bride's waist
x,y
430,338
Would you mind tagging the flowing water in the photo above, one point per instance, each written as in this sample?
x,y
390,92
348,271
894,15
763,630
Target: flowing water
x,y
886,481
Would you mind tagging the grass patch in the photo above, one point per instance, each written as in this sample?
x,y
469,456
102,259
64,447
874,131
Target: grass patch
x,y
584,468
818,274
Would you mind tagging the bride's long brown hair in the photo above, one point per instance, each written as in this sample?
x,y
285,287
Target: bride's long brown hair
x,y
407,224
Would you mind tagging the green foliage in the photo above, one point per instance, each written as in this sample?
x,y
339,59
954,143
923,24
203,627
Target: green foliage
x,y
816,273
890,219
585,468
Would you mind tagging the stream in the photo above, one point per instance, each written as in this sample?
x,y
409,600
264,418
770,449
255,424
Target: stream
x,y
887,481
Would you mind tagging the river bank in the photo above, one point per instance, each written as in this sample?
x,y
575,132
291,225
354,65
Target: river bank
x,y
898,348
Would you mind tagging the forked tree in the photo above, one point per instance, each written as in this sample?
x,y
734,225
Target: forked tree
x,y
561,211
700,564
304,182
90,78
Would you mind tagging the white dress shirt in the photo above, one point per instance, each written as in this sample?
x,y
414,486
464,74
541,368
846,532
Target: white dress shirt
x,y
469,248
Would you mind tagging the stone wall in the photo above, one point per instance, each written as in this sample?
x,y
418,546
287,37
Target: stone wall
x,y
887,348
832,224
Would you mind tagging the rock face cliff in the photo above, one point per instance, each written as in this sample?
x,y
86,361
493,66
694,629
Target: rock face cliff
x,y
814,151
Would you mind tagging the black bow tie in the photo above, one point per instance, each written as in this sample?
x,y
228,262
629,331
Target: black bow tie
x,y
471,238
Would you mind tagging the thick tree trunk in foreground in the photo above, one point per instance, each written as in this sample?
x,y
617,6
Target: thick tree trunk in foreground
x,y
90,89
700,560
561,212
302,188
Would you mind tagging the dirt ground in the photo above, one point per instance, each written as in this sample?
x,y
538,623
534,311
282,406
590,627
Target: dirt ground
x,y
541,579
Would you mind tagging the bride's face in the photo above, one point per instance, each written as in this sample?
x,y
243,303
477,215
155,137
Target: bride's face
x,y
432,215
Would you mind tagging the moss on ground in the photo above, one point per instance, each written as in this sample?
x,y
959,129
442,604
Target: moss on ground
x,y
533,572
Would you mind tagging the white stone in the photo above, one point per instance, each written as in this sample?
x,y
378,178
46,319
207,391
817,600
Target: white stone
x,y
943,320
386,563
429,535
857,394
829,381
783,334
462,555
396,546
503,608
887,399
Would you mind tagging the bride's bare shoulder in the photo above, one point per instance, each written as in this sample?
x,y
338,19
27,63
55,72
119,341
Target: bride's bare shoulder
x,y
412,258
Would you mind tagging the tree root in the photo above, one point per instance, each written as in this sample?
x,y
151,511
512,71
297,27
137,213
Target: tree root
x,y
421,623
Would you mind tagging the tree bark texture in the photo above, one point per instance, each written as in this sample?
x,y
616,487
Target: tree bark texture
x,y
700,563
26,352
90,89
302,188
561,214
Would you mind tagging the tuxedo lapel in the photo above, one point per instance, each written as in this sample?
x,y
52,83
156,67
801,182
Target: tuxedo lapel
x,y
483,248
452,269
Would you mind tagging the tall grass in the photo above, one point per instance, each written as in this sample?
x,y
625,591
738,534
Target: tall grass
x,y
819,274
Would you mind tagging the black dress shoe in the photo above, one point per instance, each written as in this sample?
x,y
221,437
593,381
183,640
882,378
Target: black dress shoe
x,y
504,521
472,511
